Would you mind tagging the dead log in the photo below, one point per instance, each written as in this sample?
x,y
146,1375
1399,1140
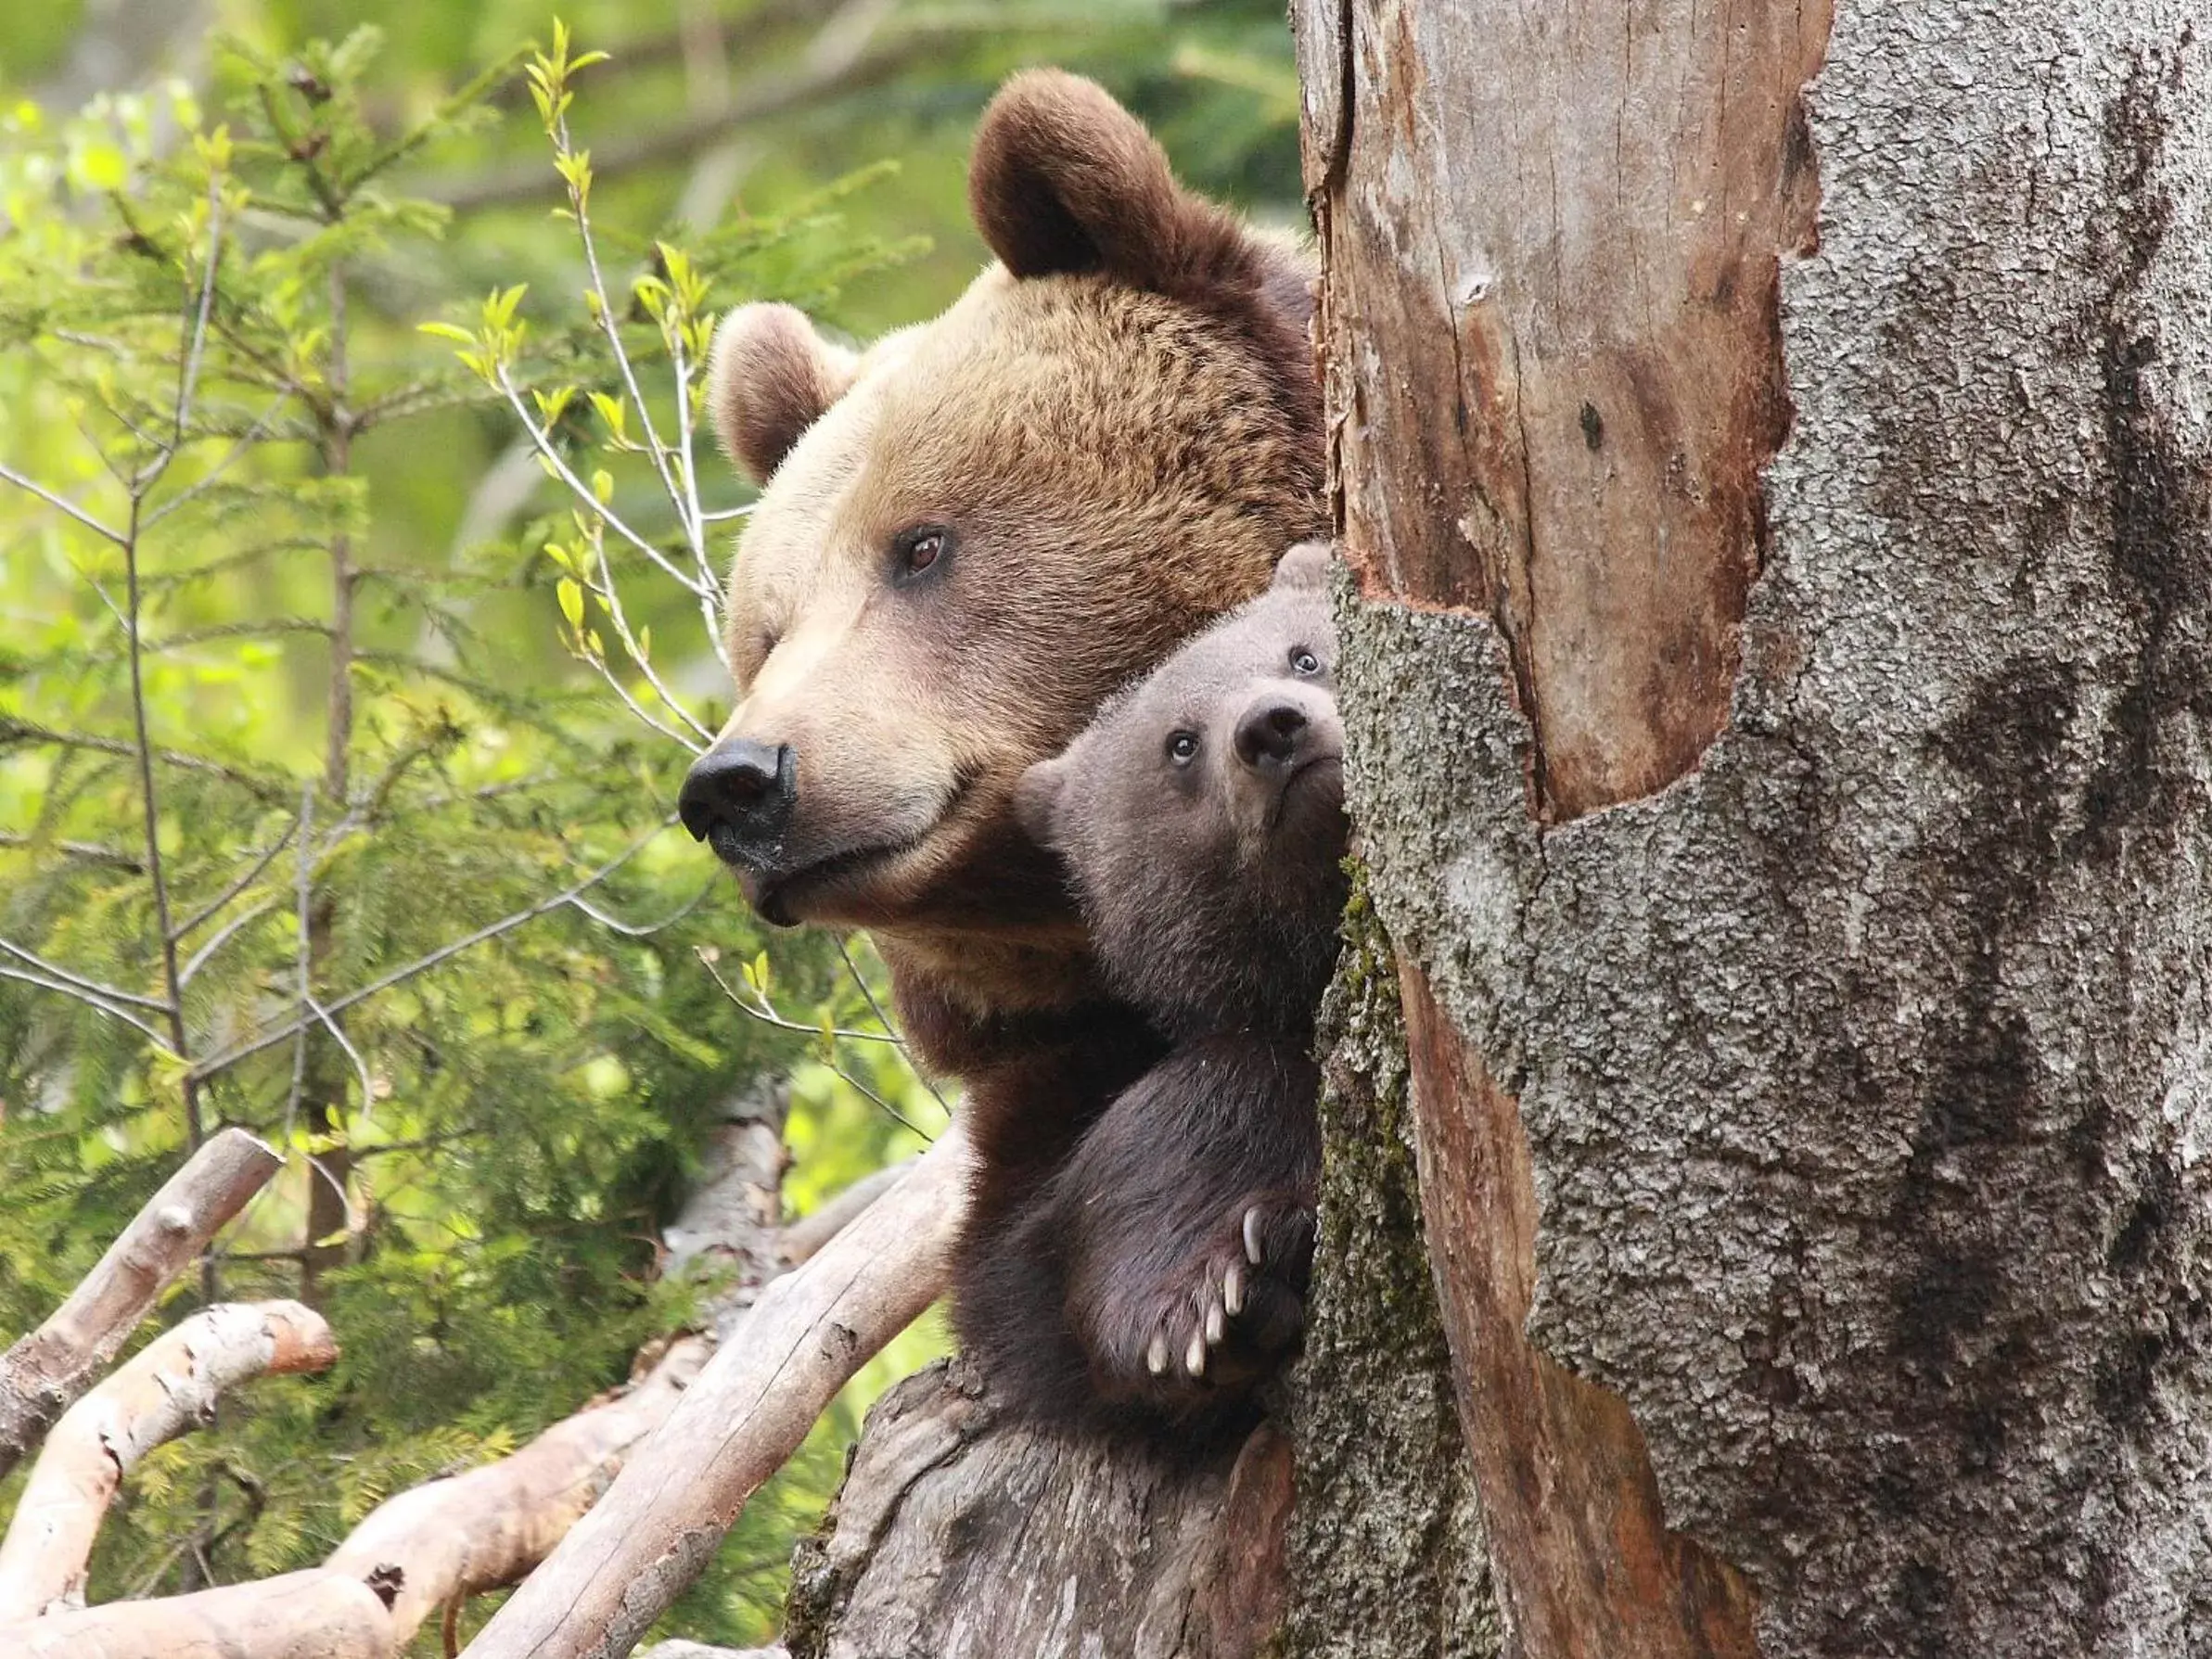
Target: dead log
x,y
963,1537
666,1514
166,1390
314,1614
48,1369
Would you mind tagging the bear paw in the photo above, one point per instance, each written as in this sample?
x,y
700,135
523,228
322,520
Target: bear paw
x,y
1231,1314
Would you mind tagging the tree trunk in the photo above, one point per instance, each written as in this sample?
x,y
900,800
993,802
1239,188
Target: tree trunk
x,y
1776,671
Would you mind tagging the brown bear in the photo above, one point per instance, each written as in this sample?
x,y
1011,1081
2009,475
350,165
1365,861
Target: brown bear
x,y
968,535
1161,1273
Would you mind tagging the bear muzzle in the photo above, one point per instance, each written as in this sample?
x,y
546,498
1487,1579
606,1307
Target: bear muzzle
x,y
738,797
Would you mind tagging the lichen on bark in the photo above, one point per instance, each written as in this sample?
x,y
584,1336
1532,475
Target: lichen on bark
x,y
1386,1552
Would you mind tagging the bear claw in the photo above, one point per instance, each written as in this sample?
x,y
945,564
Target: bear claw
x,y
1252,1250
1155,1356
1233,1289
1194,1361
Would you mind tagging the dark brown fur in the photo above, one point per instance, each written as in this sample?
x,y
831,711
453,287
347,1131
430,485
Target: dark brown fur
x,y
1180,1226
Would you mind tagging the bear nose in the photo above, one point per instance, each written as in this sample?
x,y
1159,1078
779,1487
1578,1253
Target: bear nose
x,y
738,796
1269,734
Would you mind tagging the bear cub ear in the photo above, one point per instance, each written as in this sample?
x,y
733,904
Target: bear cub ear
x,y
1037,800
769,378
1064,180
1305,565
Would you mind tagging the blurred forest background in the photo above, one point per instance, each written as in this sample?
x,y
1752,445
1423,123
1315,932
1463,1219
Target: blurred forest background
x,y
395,689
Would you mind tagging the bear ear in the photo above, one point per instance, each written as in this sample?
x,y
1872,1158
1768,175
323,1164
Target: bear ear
x,y
1037,800
1064,179
1305,565
770,379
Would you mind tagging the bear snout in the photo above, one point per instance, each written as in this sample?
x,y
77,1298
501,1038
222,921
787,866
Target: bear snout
x,y
738,797
1271,734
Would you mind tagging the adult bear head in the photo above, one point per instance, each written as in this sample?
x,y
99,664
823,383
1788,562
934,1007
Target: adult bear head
x,y
971,533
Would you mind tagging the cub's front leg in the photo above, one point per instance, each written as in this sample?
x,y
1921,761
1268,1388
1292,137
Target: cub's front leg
x,y
1188,1211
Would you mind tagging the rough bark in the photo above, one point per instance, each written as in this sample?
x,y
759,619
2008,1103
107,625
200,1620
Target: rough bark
x,y
1386,1552
1801,888
48,1368
962,1536
170,1387
746,1414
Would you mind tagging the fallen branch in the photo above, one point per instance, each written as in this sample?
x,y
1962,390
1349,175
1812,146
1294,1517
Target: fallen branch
x,y
801,1240
486,1528
169,1388
48,1369
314,1614
665,1514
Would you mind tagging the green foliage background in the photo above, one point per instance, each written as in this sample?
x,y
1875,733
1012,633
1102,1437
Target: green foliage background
x,y
512,1124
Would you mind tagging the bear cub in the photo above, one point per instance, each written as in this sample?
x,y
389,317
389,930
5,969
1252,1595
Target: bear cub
x,y
1160,1277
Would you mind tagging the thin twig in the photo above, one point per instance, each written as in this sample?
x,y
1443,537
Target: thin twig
x,y
160,1038
884,1020
79,982
768,1016
9,475
270,1037
206,912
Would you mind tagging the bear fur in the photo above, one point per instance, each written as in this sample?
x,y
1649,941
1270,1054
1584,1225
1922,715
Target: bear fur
x,y
968,534
1161,1273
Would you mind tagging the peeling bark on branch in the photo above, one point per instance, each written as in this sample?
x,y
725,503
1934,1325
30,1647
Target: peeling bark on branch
x,y
169,1388
44,1371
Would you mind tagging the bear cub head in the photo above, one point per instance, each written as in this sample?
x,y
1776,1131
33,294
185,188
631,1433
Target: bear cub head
x,y
1201,819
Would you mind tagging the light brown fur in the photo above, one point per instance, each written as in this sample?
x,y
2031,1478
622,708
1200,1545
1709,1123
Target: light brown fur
x,y
1118,465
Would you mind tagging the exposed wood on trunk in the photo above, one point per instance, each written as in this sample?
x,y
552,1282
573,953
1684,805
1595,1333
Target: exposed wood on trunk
x,y
1860,1076
44,1371
1577,209
167,1389
962,1536
666,1513
314,1614
1574,1515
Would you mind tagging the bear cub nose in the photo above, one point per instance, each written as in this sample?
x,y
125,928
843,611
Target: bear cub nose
x,y
1270,735
738,796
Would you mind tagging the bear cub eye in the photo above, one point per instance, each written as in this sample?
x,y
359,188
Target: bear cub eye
x,y
1303,661
914,551
1182,747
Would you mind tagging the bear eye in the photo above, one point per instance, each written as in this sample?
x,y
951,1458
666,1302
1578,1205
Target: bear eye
x,y
1303,661
1182,747
916,550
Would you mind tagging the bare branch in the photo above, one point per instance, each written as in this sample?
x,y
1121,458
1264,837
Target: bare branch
x,y
314,1614
9,475
49,1368
153,1033
803,1239
169,1388
79,982
486,1528
662,1520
